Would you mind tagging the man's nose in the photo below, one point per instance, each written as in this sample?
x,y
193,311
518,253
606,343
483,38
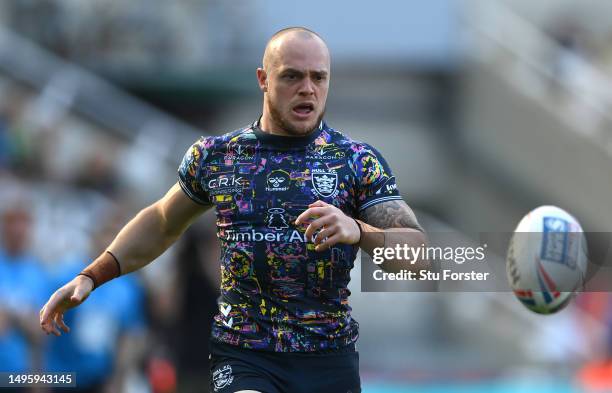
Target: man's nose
x,y
307,87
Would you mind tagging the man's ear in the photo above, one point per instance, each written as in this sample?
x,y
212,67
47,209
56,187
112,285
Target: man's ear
x,y
262,79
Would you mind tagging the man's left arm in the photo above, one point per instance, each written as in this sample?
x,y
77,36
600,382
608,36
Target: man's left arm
x,y
383,219
388,224
385,224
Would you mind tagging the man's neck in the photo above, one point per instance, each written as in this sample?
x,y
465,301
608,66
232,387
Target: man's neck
x,y
267,125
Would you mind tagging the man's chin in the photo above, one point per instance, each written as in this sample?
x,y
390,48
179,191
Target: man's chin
x,y
301,128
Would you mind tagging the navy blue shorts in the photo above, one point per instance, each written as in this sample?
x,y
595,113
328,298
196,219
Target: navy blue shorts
x,y
233,369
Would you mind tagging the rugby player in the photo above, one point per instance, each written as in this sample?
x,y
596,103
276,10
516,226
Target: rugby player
x,y
294,199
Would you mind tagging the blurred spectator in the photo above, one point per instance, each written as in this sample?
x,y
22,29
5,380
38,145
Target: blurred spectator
x,y
14,147
106,345
579,84
23,290
98,174
572,49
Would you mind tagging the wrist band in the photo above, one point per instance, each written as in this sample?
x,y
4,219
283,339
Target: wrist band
x,y
103,269
116,261
360,230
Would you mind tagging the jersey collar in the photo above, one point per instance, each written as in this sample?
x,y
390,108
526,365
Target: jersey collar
x,y
286,141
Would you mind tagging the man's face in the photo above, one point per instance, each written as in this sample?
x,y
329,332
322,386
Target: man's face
x,y
296,85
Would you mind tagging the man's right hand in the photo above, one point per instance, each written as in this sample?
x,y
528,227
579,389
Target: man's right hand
x,y
65,298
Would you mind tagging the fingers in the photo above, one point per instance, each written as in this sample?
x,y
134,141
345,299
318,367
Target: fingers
x,y
327,221
46,323
59,320
68,296
318,203
52,314
51,323
47,313
327,243
309,213
324,233
316,225
47,318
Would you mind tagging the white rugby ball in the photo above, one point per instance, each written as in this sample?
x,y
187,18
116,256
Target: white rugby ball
x,y
547,259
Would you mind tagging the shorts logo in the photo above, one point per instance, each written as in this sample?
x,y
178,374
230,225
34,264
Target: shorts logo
x,y
325,183
278,180
222,377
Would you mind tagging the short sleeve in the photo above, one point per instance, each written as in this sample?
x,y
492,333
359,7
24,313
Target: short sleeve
x,y
375,182
190,172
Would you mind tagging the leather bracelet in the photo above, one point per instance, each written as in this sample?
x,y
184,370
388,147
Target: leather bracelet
x,y
360,230
116,261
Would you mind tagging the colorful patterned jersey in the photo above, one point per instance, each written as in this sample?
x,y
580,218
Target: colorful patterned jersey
x,y
277,292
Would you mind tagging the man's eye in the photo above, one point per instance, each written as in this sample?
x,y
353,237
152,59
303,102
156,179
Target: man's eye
x,y
291,77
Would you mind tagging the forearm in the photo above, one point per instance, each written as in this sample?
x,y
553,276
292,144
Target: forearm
x,y
388,225
373,238
144,238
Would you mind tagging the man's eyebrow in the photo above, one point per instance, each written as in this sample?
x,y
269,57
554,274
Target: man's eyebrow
x,y
292,70
296,71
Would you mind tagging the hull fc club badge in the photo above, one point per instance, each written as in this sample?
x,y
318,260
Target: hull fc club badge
x,y
325,184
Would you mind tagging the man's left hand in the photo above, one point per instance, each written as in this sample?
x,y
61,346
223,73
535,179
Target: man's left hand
x,y
333,225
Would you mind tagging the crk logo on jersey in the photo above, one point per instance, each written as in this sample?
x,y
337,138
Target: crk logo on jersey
x,y
278,180
226,184
325,183
222,377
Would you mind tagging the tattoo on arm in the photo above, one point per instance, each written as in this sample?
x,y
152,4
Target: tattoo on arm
x,y
391,214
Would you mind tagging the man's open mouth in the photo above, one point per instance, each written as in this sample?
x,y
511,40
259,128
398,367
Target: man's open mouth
x,y
303,109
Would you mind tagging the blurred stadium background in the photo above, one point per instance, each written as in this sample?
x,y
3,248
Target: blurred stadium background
x,y
485,110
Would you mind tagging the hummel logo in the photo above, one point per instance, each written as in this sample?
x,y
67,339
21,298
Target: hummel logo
x,y
276,181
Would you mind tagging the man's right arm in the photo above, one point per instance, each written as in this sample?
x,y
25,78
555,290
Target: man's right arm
x,y
143,239
155,229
